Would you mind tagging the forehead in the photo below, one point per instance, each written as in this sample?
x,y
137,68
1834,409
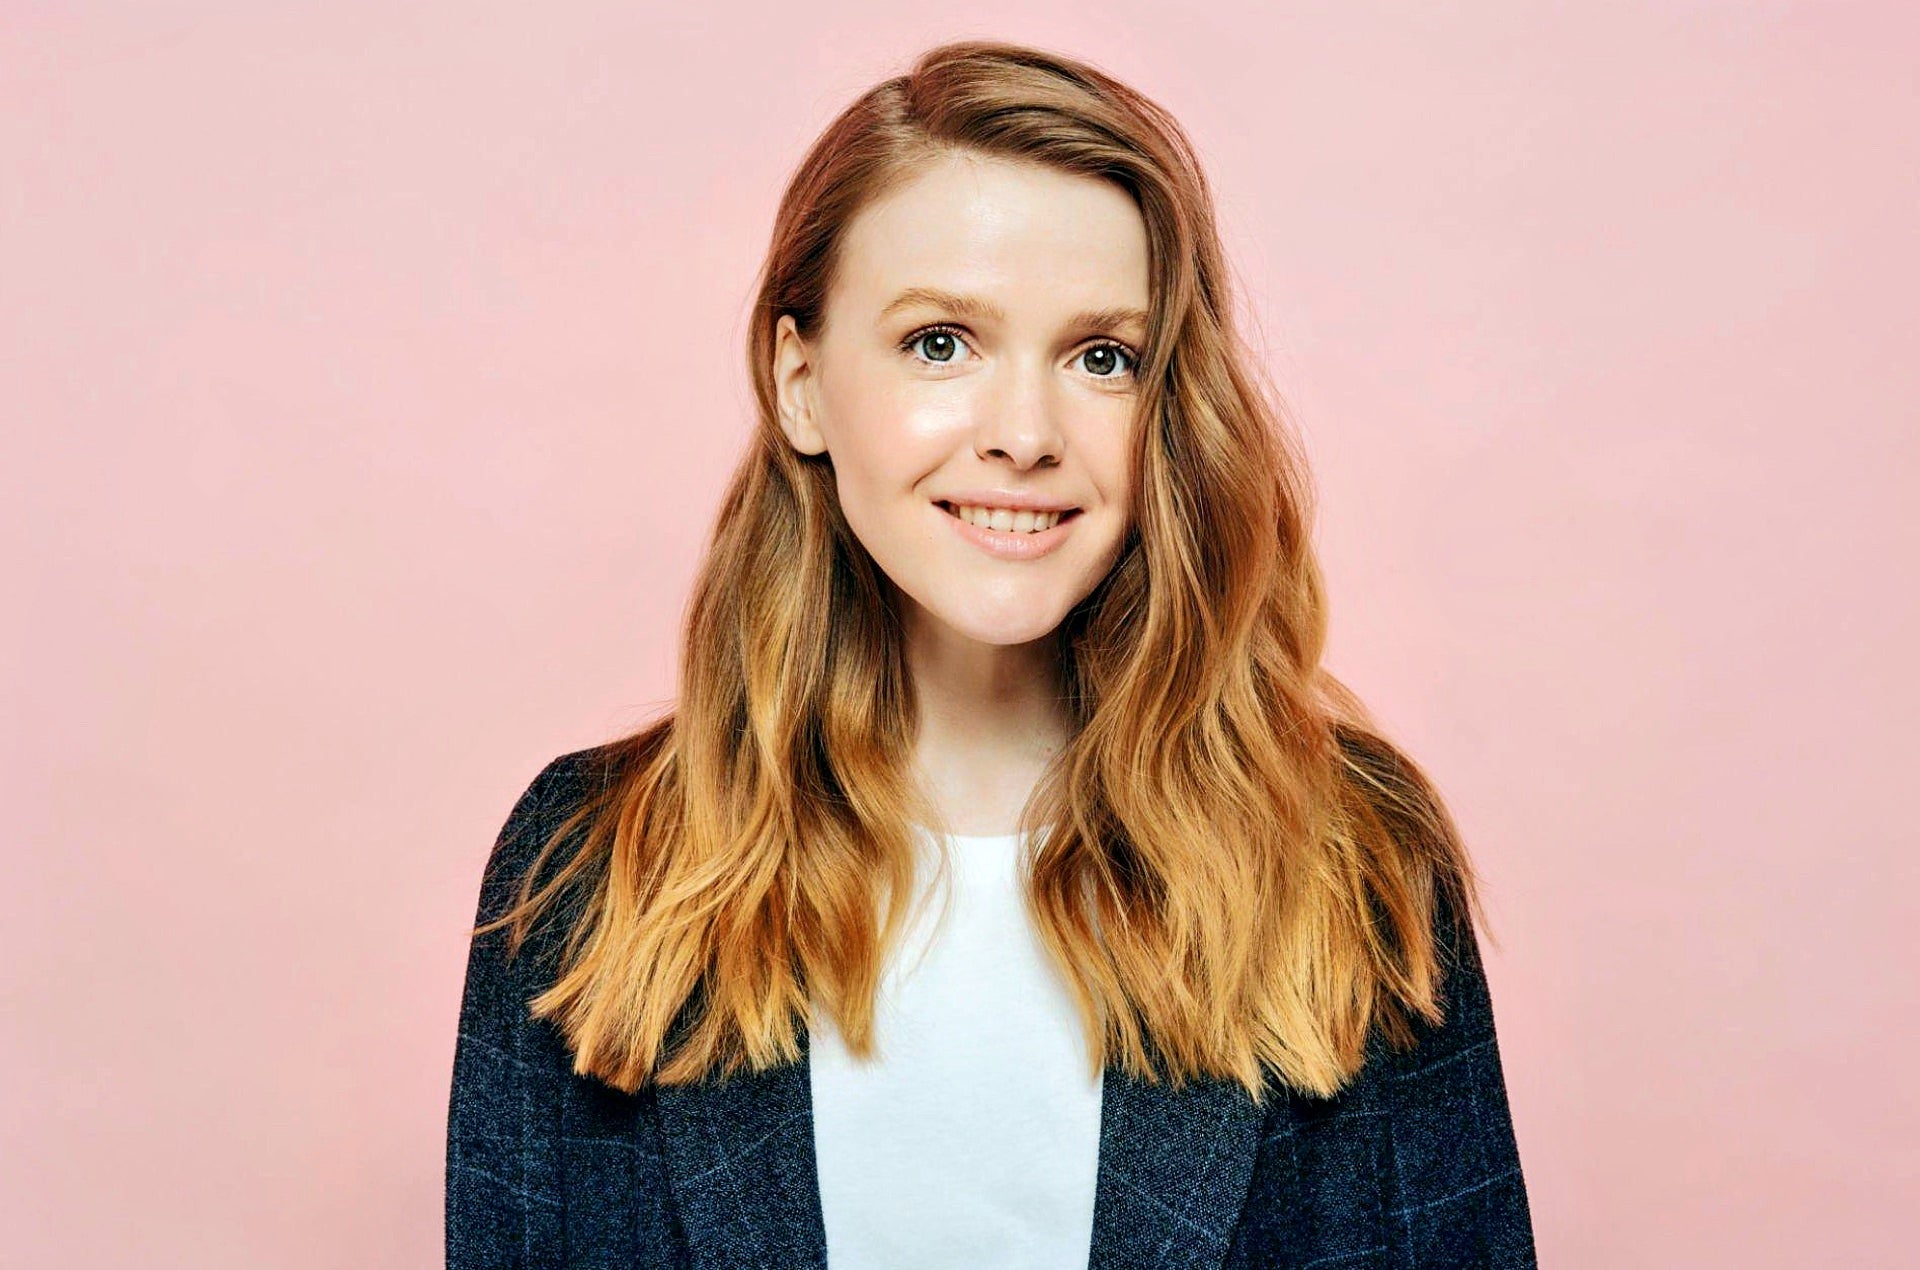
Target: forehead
x,y
1032,240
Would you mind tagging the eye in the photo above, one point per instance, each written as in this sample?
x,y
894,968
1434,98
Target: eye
x,y
1109,354
944,343
943,338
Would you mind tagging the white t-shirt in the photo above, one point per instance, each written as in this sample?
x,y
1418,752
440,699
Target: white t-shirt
x,y
972,1138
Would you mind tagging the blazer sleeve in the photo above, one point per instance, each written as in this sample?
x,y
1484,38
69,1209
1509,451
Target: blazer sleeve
x,y
498,1196
1456,1196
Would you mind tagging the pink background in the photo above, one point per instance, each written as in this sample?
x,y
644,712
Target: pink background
x,y
370,374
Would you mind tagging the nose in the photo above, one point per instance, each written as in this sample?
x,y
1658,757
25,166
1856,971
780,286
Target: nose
x,y
1020,418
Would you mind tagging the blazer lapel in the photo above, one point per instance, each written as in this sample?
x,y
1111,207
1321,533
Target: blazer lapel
x,y
1173,1170
739,1155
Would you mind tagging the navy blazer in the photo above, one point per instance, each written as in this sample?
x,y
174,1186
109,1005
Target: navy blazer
x,y
1414,1164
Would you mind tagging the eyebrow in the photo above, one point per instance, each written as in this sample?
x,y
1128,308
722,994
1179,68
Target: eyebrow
x,y
971,306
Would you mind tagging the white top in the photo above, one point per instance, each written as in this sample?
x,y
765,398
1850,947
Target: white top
x,y
972,1138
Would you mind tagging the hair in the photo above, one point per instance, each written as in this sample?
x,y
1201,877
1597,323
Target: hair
x,y
1237,873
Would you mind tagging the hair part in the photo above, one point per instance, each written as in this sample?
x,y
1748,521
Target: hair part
x,y
1238,874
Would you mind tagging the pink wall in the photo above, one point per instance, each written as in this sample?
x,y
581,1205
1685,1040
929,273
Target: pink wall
x,y
370,374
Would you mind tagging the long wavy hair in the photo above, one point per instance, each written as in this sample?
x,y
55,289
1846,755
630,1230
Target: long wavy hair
x,y
1235,872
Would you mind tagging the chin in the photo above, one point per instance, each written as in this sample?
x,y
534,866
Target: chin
x,y
1011,633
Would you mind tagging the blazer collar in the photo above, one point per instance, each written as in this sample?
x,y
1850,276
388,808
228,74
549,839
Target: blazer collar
x,y
1174,1169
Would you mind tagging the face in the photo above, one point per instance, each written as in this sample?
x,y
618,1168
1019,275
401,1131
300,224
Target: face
x,y
977,360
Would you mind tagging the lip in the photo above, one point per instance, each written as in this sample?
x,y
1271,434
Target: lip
x,y
1008,544
1010,499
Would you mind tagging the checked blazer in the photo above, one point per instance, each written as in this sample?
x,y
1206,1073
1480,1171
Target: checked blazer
x,y
1413,1166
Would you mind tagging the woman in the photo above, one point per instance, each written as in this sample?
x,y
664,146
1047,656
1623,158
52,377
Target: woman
x,y
1014,601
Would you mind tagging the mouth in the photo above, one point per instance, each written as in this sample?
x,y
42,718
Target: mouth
x,y
1061,518
1036,541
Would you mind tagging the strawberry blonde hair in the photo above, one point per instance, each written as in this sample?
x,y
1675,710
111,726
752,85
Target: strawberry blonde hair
x,y
1237,873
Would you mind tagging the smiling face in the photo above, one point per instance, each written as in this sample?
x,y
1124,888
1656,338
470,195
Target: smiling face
x,y
979,347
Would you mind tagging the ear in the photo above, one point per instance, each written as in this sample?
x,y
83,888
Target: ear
x,y
794,388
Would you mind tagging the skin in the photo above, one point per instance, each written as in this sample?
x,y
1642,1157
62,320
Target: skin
x,y
1029,401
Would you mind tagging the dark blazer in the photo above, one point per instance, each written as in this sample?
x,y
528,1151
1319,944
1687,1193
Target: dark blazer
x,y
1412,1165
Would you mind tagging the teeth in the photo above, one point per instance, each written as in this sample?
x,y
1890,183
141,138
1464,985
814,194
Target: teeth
x,y
1004,520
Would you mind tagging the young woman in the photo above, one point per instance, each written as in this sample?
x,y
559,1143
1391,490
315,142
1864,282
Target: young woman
x,y
1012,602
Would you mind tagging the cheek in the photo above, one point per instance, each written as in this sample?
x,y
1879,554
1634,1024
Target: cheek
x,y
1111,461
854,420
881,436
870,465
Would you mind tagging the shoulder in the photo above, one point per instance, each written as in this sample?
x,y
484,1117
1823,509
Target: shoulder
x,y
558,789
564,782
1457,1191
1467,1025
